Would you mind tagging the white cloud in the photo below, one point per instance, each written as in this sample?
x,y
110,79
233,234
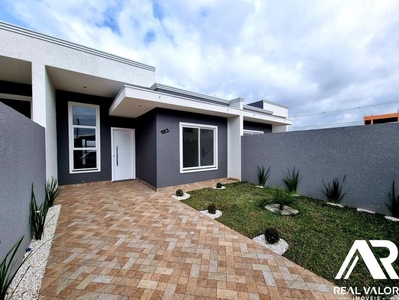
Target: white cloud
x,y
313,56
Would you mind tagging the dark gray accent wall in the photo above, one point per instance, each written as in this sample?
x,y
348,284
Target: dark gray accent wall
x,y
266,128
367,155
23,107
23,162
168,160
146,148
106,122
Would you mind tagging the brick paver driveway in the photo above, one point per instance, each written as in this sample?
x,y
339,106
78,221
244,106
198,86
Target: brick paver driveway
x,y
125,241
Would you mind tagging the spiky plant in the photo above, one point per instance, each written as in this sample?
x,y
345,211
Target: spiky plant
x,y
291,179
37,216
52,191
281,197
263,175
333,191
179,193
8,270
394,201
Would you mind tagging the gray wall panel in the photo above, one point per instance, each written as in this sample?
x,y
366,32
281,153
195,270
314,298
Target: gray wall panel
x,y
146,148
367,155
22,162
168,161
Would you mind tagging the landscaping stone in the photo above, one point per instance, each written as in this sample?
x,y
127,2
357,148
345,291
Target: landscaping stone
x,y
280,247
286,211
392,218
335,204
222,188
366,210
184,197
213,216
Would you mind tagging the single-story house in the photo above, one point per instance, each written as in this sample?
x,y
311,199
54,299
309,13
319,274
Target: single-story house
x,y
106,118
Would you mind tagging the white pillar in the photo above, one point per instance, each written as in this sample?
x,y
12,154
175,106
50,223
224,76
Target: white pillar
x,y
43,113
234,131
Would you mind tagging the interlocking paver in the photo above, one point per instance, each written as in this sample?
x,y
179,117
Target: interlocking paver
x,y
123,240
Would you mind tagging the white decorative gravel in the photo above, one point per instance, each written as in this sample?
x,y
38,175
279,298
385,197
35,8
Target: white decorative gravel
x,y
286,211
213,216
280,247
184,197
32,271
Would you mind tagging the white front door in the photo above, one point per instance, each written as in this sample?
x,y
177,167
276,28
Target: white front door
x,y
123,154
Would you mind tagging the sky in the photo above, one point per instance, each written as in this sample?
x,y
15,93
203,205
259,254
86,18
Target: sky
x,y
331,62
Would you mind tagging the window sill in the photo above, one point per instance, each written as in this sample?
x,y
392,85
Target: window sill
x,y
84,171
198,170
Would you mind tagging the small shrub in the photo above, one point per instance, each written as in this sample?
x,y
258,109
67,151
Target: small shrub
x,y
212,209
219,185
37,216
333,191
179,193
394,201
8,271
263,175
52,191
271,235
281,197
291,179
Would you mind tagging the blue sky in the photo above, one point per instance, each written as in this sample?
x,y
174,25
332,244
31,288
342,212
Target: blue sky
x,y
331,62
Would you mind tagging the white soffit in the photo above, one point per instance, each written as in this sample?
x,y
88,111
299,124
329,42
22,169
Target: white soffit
x,y
133,102
15,70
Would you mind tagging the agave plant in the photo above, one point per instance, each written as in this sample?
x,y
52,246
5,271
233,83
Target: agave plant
x,y
263,175
37,216
8,269
333,191
394,201
291,179
281,197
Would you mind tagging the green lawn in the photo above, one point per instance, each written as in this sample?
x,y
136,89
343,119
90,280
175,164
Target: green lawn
x,y
319,237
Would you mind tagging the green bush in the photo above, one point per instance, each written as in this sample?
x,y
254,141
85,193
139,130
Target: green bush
x,y
271,235
263,175
212,209
333,191
179,193
219,185
52,191
37,216
291,179
281,197
394,201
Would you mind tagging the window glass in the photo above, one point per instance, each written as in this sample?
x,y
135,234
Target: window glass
x,y
190,147
207,147
84,138
84,159
83,115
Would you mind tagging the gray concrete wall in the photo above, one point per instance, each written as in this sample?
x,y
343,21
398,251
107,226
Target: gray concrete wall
x,y
22,162
168,160
367,155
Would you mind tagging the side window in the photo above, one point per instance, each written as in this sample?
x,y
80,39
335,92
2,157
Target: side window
x,y
84,138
